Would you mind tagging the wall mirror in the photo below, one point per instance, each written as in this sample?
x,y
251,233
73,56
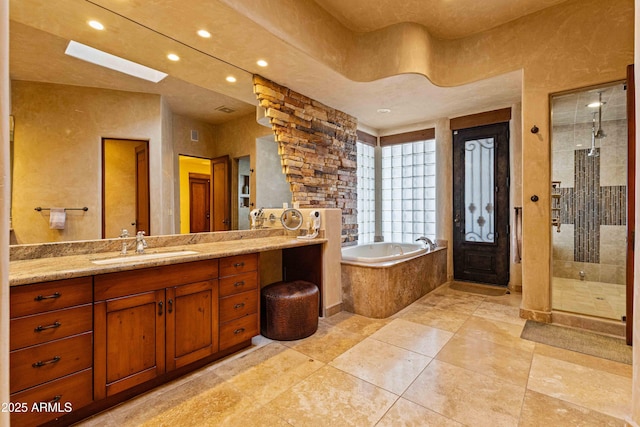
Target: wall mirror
x,y
64,107
589,200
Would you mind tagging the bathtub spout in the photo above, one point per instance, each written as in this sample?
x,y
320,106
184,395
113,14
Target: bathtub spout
x,y
427,241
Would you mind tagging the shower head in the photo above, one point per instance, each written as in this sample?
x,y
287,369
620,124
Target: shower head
x,y
600,134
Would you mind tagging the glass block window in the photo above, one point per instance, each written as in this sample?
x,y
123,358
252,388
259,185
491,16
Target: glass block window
x,y
366,193
409,191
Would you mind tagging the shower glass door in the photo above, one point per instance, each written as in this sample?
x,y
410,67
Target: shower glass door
x,y
589,211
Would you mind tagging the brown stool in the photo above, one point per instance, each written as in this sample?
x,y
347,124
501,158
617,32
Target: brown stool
x,y
289,310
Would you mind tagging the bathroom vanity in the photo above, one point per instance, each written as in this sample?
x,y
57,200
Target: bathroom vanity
x,y
86,336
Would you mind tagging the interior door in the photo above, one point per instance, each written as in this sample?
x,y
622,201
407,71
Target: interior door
x,y
142,189
481,204
199,203
220,194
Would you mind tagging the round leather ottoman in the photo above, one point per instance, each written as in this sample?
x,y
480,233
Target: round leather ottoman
x,y
289,310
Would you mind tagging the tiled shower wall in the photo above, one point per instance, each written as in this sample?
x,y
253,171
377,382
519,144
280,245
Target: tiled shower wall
x,y
592,235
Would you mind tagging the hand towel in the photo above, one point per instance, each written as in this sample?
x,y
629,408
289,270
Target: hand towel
x,y
57,218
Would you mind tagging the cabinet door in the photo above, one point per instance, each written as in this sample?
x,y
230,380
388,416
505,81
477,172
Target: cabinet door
x,y
130,341
192,322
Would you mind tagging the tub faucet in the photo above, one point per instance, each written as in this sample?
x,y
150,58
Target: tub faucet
x,y
140,242
427,241
124,235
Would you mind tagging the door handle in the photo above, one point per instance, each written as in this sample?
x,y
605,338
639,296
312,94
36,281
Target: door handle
x,y
160,307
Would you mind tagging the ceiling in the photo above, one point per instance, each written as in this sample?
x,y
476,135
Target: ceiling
x,y
572,108
445,19
144,31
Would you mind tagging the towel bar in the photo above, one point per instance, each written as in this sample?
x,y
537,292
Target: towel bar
x,y
39,209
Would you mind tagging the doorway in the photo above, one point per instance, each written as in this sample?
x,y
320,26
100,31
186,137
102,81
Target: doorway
x,y
481,204
199,203
125,187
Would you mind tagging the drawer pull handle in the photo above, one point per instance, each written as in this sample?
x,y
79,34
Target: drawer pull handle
x,y
43,297
41,328
56,398
238,264
238,284
237,306
160,306
238,331
40,363
170,306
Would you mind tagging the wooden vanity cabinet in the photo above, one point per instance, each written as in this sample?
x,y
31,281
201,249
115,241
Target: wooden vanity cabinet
x,y
239,299
51,349
192,322
151,321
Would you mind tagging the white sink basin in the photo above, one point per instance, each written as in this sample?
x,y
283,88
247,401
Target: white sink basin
x,y
142,257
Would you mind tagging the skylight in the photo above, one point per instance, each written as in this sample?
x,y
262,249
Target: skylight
x,y
98,57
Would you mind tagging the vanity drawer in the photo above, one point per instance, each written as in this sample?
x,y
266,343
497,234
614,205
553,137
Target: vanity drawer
x,y
41,363
49,326
47,296
239,330
65,394
239,305
238,264
239,283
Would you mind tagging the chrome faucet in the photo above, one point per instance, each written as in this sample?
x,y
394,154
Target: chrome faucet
x,y
140,242
124,235
427,241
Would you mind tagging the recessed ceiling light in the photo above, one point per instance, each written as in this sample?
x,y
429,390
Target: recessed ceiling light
x,y
383,110
173,57
262,63
96,25
104,59
578,145
231,79
204,34
595,104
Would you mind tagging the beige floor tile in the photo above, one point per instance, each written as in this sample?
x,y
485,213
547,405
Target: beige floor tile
x,y
331,397
496,331
406,413
326,344
500,312
452,300
136,411
356,323
266,379
540,410
585,360
486,357
384,365
587,387
513,299
209,408
442,319
468,397
414,337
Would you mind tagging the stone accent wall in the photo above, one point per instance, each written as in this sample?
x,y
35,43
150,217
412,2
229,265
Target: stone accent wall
x,y
317,146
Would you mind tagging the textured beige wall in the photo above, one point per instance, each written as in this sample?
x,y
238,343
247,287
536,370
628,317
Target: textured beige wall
x,y
4,208
58,137
634,417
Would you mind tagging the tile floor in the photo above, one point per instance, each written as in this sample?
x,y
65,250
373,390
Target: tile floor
x,y
449,359
606,300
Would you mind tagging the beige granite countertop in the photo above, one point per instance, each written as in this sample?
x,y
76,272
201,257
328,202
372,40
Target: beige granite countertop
x,y
27,271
